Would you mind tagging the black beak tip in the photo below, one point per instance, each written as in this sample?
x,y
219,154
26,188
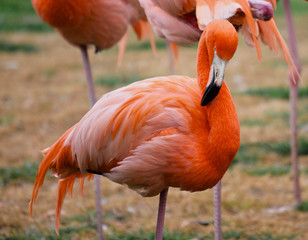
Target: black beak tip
x,y
210,93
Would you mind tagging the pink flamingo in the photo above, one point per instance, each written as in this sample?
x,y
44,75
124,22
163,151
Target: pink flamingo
x,y
155,134
101,23
182,21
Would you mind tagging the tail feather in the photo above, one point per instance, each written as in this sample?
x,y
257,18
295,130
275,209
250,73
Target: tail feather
x,y
64,186
50,155
251,24
284,48
267,36
59,159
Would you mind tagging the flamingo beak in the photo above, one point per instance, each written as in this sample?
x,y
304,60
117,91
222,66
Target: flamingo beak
x,y
217,76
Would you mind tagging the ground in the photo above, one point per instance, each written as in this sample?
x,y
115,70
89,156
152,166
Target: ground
x,y
43,92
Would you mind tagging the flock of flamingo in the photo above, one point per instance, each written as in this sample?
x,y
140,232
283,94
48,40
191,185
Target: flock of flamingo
x,y
162,132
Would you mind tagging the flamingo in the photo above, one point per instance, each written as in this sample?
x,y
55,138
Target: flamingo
x,y
155,134
102,23
182,22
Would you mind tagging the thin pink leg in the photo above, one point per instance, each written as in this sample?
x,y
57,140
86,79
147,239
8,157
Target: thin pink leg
x,y
161,214
87,68
170,57
293,101
90,84
217,211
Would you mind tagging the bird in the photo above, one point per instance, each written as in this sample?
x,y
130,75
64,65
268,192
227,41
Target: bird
x,y
157,133
102,23
182,21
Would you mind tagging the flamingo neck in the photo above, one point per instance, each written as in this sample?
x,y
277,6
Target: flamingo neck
x,y
223,138
203,63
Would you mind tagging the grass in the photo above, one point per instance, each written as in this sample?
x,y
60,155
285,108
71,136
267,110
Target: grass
x,y
18,15
145,45
246,155
274,171
146,235
299,8
276,92
6,120
303,207
14,47
252,122
64,234
114,81
26,172
251,153
72,232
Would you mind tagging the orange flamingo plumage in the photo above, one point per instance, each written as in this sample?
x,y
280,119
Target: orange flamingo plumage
x,y
102,23
155,134
182,21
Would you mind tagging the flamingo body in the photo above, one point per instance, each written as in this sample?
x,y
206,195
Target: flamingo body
x,y
154,134
151,135
84,22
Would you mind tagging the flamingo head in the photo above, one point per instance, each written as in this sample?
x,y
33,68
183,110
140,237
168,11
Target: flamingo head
x,y
221,42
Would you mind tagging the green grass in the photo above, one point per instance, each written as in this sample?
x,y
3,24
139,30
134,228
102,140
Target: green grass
x,y
26,172
276,92
283,148
47,234
79,232
6,120
303,207
274,171
145,45
146,235
251,153
14,47
246,155
114,81
252,122
18,15
298,7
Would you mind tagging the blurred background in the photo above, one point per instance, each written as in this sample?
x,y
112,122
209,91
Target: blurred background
x,y
43,92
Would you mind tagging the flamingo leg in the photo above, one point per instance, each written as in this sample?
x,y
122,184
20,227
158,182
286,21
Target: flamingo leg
x,y
170,57
293,101
87,68
90,84
161,214
217,211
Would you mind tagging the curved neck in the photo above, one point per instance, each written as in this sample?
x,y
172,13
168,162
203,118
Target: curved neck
x,y
224,133
204,60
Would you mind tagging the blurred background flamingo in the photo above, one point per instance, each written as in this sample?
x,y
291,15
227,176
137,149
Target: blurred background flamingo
x,y
155,134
